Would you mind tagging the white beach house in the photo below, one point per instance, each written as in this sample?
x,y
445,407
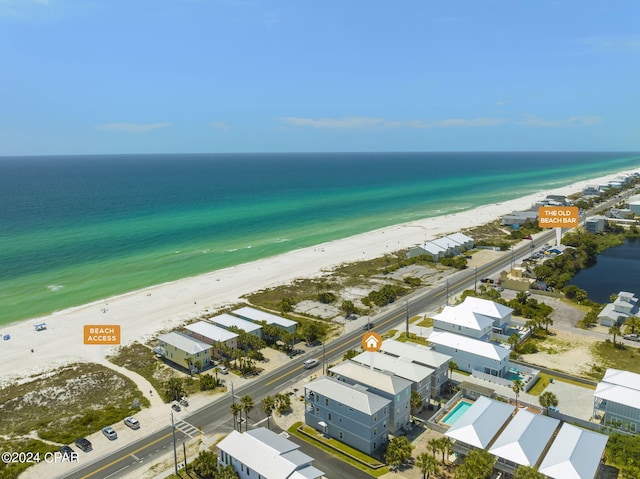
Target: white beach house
x,y
616,313
229,321
471,354
261,453
258,316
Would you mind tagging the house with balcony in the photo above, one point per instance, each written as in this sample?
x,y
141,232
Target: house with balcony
x,y
219,338
384,384
471,354
617,400
423,356
184,351
351,414
420,376
263,454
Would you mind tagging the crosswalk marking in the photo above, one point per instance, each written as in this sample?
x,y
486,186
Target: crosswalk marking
x,y
186,428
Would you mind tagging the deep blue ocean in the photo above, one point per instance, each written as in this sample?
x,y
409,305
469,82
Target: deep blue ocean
x,y
80,228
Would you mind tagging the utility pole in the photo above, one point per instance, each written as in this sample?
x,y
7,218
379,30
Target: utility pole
x,y
175,452
447,296
407,319
475,280
323,360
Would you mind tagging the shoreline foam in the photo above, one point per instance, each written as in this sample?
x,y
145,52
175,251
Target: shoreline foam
x,y
145,312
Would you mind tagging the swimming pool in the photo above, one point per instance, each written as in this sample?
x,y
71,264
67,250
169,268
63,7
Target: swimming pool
x,y
456,413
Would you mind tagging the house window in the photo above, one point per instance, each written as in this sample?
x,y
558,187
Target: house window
x,y
317,411
326,401
375,417
384,411
339,419
340,434
329,416
375,431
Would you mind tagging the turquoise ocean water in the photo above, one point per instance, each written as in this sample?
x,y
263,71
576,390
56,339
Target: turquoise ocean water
x,y
78,229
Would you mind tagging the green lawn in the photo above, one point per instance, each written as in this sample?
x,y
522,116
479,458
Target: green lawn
x,y
619,357
340,450
545,379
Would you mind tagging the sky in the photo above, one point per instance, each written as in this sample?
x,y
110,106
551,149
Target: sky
x,y
218,76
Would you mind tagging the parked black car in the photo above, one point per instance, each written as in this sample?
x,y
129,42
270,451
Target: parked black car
x,y
66,451
83,444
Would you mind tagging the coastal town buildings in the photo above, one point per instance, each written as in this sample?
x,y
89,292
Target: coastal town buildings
x,y
257,316
559,450
219,338
263,454
351,414
184,351
423,356
451,245
384,384
617,400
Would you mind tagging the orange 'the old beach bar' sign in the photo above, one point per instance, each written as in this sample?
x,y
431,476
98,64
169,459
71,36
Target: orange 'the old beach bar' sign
x,y
558,216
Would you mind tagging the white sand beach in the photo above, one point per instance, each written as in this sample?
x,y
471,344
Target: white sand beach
x,y
142,314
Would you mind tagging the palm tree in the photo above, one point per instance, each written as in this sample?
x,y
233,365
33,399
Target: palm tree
x,y
632,322
434,445
427,464
526,472
547,321
416,401
267,405
548,399
518,387
446,447
236,408
614,330
247,405
513,340
452,365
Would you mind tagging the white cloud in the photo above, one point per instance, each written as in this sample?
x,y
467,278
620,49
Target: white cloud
x,y
219,125
19,9
350,122
359,122
585,120
132,127
613,44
